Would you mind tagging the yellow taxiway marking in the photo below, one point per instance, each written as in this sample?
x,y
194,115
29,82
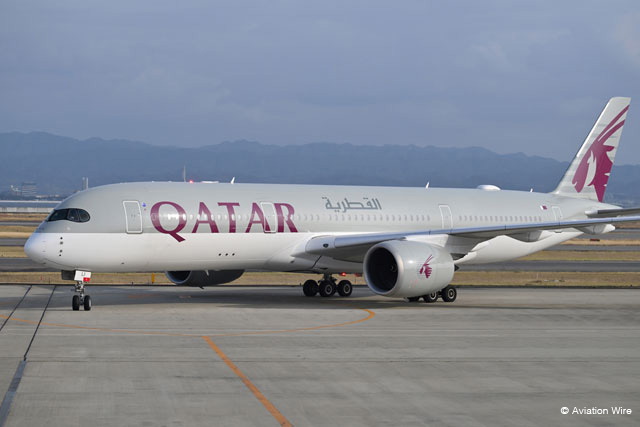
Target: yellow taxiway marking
x,y
247,382
277,415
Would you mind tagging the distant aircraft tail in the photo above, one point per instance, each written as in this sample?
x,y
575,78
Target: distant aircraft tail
x,y
589,171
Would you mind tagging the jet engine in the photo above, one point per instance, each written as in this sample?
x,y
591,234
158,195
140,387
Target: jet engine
x,y
402,268
203,278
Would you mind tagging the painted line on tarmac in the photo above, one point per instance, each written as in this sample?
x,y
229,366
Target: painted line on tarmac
x,y
277,415
39,323
13,388
17,377
6,318
247,382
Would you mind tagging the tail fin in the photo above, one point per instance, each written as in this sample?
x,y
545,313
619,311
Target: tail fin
x,y
589,171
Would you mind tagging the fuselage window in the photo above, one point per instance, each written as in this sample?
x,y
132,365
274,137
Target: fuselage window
x,y
73,215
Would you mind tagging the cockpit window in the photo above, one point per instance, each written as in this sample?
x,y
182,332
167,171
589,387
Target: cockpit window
x,y
73,215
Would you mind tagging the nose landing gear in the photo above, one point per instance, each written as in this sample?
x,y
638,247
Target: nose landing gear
x,y
80,298
327,287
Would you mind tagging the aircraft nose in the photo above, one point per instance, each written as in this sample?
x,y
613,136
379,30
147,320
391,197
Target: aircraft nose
x,y
35,248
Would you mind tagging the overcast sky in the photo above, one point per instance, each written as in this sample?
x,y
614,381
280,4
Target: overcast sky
x,y
509,76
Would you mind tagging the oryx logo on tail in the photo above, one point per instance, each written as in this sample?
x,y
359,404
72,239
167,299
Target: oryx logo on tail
x,y
597,174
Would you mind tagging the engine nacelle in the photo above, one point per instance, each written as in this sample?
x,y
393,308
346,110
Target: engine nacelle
x,y
203,278
402,268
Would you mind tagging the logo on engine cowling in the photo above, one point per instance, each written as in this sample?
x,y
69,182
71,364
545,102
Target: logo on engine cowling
x,y
426,268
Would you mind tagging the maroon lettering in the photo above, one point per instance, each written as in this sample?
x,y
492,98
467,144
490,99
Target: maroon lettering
x,y
282,219
232,214
182,220
204,212
257,217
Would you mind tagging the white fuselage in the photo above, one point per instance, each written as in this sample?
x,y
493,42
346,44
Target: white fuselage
x,y
142,227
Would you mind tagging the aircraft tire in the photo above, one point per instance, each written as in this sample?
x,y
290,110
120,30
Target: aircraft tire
x,y
449,294
326,288
75,302
87,303
345,288
432,297
310,288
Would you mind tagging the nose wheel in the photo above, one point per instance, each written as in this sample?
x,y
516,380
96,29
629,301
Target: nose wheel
x,y
80,299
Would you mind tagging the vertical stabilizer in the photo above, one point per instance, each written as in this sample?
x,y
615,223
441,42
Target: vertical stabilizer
x,y
589,171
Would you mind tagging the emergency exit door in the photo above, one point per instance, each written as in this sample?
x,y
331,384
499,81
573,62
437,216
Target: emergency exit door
x,y
133,217
270,224
447,218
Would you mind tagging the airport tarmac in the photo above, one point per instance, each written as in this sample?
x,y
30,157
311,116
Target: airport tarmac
x,y
620,234
267,356
12,242
560,265
22,264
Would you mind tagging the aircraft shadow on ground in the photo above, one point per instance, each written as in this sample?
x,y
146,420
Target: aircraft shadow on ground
x,y
276,297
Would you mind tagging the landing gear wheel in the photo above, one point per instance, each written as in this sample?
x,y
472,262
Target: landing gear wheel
x,y
75,302
310,288
449,294
327,288
432,297
412,299
87,303
345,288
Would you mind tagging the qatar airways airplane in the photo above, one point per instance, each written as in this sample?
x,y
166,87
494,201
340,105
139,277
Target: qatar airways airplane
x,y
407,241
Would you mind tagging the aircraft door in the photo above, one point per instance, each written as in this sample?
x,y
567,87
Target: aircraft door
x,y
133,216
270,220
447,218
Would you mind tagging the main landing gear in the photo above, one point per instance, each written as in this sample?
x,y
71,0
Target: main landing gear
x,y
80,298
448,294
327,287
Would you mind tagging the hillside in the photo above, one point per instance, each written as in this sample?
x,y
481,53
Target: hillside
x,y
58,163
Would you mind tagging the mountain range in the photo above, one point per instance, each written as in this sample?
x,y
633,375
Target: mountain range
x,y
57,164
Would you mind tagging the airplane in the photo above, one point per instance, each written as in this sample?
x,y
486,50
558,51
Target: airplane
x,y
408,242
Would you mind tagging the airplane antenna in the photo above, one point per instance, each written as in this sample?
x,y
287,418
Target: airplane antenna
x,y
427,186
531,191
184,173
233,180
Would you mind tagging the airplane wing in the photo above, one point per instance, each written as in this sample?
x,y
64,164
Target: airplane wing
x,y
355,245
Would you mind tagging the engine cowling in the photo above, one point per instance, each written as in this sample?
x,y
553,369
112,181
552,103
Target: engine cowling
x,y
203,278
401,268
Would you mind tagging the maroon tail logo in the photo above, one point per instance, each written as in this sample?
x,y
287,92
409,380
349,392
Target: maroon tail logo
x,y
598,153
426,269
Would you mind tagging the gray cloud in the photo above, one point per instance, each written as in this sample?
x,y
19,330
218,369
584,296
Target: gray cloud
x,y
508,76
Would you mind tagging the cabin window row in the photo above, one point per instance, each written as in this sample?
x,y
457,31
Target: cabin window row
x,y
501,218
